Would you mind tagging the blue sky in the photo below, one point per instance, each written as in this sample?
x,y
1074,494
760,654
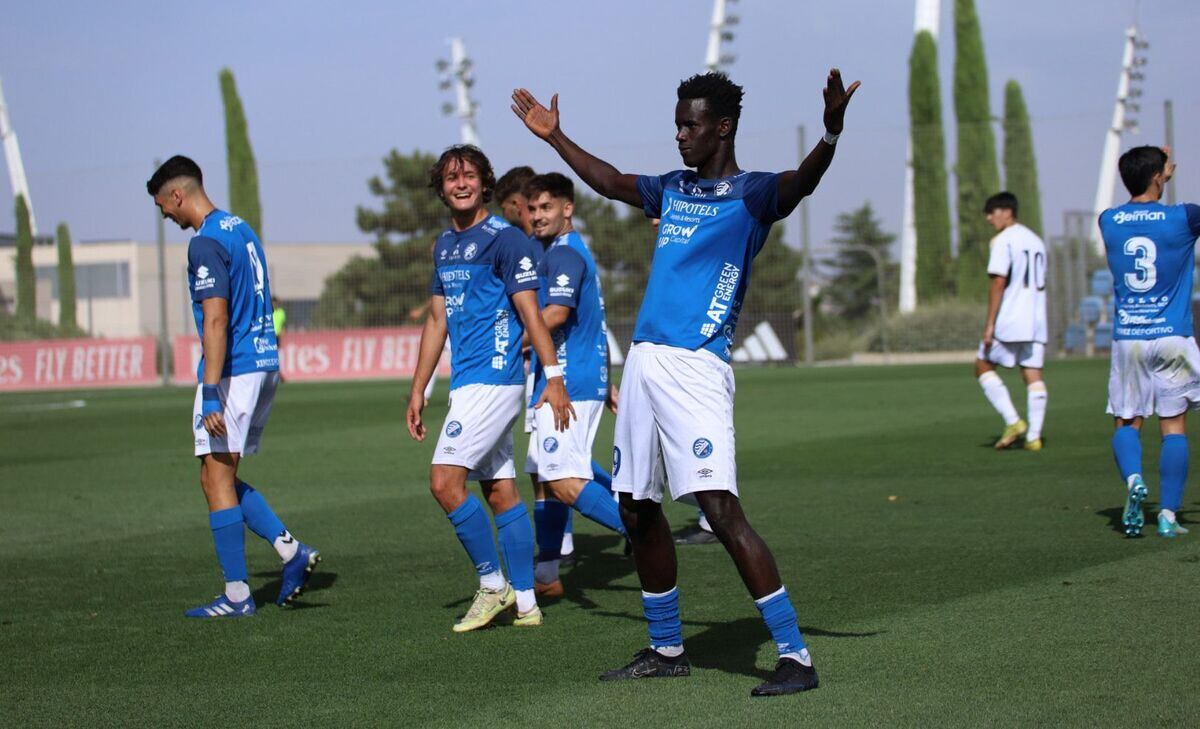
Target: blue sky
x,y
99,90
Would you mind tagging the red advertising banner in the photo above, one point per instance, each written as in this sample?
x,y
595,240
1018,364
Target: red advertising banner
x,y
54,364
348,354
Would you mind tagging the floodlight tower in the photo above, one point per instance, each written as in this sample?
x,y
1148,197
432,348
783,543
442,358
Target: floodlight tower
x,y
456,74
1133,58
719,32
928,13
12,155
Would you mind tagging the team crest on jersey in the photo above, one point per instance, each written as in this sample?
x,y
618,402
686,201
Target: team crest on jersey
x,y
469,253
723,187
550,445
453,429
702,448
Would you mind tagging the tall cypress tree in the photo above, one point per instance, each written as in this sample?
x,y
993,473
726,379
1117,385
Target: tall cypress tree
x,y
978,176
243,172
1020,164
26,276
931,197
66,281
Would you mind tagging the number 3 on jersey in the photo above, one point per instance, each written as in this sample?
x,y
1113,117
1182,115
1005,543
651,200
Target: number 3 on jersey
x,y
1145,253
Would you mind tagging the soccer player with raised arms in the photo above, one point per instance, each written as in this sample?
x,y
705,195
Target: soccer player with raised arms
x,y
573,309
677,391
238,374
1015,331
1155,366
484,296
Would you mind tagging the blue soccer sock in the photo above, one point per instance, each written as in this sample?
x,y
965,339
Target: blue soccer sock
x,y
1172,471
601,476
229,538
550,518
598,505
780,617
1127,448
263,522
475,532
662,618
516,546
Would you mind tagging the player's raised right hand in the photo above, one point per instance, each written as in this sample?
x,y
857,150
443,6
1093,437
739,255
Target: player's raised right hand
x,y
541,121
416,403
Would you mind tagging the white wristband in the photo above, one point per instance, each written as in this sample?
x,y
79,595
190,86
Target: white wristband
x,y
553,371
830,139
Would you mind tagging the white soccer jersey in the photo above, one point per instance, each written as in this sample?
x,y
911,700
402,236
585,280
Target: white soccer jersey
x,y
1020,255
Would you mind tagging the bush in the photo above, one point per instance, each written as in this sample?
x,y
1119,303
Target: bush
x,y
13,329
939,327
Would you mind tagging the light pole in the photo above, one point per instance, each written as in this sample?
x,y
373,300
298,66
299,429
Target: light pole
x,y
456,75
1131,63
718,33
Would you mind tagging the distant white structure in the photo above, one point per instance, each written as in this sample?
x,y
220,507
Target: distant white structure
x,y
1130,73
718,33
928,15
12,155
456,74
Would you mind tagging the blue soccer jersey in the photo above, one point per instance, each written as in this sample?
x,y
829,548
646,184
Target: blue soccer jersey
x,y
1151,253
226,260
710,232
477,270
569,277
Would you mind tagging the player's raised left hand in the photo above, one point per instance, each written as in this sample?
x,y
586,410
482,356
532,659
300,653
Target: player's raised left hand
x,y
837,97
541,121
555,395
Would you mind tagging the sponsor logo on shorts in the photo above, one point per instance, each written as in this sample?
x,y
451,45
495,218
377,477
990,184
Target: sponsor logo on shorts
x,y
550,445
703,448
453,429
616,460
448,449
705,473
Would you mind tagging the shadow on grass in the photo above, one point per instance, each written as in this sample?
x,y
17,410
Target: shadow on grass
x,y
316,582
732,647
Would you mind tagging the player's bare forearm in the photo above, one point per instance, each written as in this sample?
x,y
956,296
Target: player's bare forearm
x,y
555,315
797,184
599,175
995,295
525,302
433,342
215,339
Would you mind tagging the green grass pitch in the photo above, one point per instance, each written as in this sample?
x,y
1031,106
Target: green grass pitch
x,y
937,581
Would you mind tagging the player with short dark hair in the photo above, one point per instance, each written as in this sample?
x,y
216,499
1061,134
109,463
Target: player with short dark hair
x,y
1014,333
573,308
483,294
1155,366
238,373
677,391
511,196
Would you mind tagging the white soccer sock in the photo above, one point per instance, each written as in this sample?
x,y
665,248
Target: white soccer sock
x,y
568,544
546,571
237,591
286,545
493,581
1037,397
704,523
525,601
997,395
803,658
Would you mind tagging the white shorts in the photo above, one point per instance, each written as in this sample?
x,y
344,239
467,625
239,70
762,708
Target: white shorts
x,y
1031,355
477,434
554,455
247,403
675,421
1153,377
528,398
